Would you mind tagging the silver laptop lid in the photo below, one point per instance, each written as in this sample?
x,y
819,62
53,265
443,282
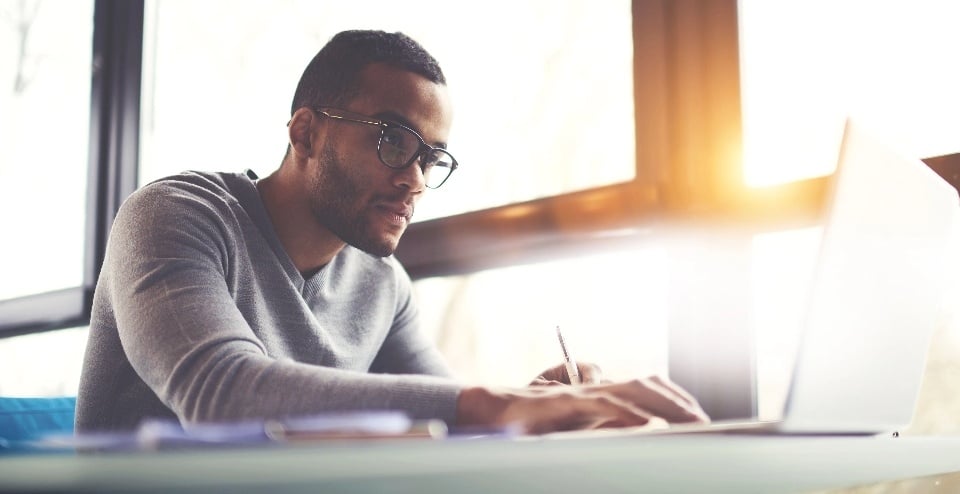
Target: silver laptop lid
x,y
876,293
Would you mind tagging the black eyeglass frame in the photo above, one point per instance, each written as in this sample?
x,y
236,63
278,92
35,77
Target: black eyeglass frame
x,y
384,126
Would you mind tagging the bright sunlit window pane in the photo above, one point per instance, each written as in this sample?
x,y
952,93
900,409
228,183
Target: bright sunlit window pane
x,y
497,327
806,65
542,90
45,52
42,364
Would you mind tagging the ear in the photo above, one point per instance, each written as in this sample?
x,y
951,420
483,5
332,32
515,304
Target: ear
x,y
299,130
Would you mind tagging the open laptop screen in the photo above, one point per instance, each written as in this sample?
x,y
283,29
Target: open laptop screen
x,y
876,293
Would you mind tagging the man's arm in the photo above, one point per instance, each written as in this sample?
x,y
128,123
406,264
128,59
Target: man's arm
x,y
187,340
406,349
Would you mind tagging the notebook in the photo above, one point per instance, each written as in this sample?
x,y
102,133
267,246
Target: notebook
x,y
873,305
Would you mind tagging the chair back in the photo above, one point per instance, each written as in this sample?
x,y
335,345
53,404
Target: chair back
x,y
26,419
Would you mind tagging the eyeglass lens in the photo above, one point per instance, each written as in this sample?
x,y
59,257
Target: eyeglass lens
x,y
399,147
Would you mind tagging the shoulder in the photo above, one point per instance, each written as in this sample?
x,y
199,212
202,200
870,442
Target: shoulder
x,y
200,194
198,186
189,204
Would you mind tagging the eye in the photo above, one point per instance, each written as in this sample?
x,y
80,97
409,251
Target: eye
x,y
400,138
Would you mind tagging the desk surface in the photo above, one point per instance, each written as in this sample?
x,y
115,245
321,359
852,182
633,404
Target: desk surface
x,y
688,463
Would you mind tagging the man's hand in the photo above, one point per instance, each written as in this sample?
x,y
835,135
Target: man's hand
x,y
589,374
543,409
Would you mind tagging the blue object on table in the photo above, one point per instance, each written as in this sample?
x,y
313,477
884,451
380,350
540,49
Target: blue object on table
x,y
23,420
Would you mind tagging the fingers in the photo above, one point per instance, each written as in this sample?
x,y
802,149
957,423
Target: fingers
x,y
568,411
589,373
683,395
549,408
543,381
659,397
679,393
553,374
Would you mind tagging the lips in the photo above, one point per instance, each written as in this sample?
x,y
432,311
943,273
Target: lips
x,y
398,212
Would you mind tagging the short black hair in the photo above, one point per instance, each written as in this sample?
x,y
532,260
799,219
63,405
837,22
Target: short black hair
x,y
330,77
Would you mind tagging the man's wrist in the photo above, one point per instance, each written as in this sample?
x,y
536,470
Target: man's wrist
x,y
479,406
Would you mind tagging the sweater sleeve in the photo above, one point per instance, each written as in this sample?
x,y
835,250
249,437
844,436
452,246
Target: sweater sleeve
x,y
406,350
185,337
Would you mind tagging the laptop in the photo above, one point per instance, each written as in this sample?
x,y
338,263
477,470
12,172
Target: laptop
x,y
874,302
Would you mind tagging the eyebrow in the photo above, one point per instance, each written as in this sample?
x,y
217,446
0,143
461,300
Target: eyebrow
x,y
396,118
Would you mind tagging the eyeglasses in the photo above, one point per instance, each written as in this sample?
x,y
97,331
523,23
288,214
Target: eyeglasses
x,y
399,146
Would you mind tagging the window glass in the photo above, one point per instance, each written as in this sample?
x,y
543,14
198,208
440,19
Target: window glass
x,y
806,65
889,64
45,49
542,90
497,327
42,364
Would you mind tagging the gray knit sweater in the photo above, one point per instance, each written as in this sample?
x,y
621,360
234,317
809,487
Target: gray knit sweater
x,y
200,315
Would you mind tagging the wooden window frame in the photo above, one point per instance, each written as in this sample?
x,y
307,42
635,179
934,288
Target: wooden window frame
x,y
688,150
686,97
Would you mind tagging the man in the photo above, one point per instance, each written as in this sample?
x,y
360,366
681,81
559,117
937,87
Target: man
x,y
225,297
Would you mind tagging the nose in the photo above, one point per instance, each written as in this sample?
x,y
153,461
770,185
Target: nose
x,y
411,177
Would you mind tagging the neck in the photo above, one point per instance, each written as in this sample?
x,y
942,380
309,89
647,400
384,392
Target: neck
x,y
309,245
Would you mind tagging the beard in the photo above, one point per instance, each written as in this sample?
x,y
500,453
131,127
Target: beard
x,y
335,196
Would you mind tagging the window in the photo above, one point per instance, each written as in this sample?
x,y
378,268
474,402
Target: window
x,y
665,137
803,72
589,201
45,95
61,169
42,364
544,116
497,326
887,63
536,116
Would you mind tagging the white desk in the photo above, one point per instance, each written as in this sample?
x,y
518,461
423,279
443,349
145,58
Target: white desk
x,y
690,463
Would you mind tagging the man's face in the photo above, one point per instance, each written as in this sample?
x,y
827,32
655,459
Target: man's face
x,y
353,194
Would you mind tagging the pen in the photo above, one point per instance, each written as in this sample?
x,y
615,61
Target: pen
x,y
572,372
